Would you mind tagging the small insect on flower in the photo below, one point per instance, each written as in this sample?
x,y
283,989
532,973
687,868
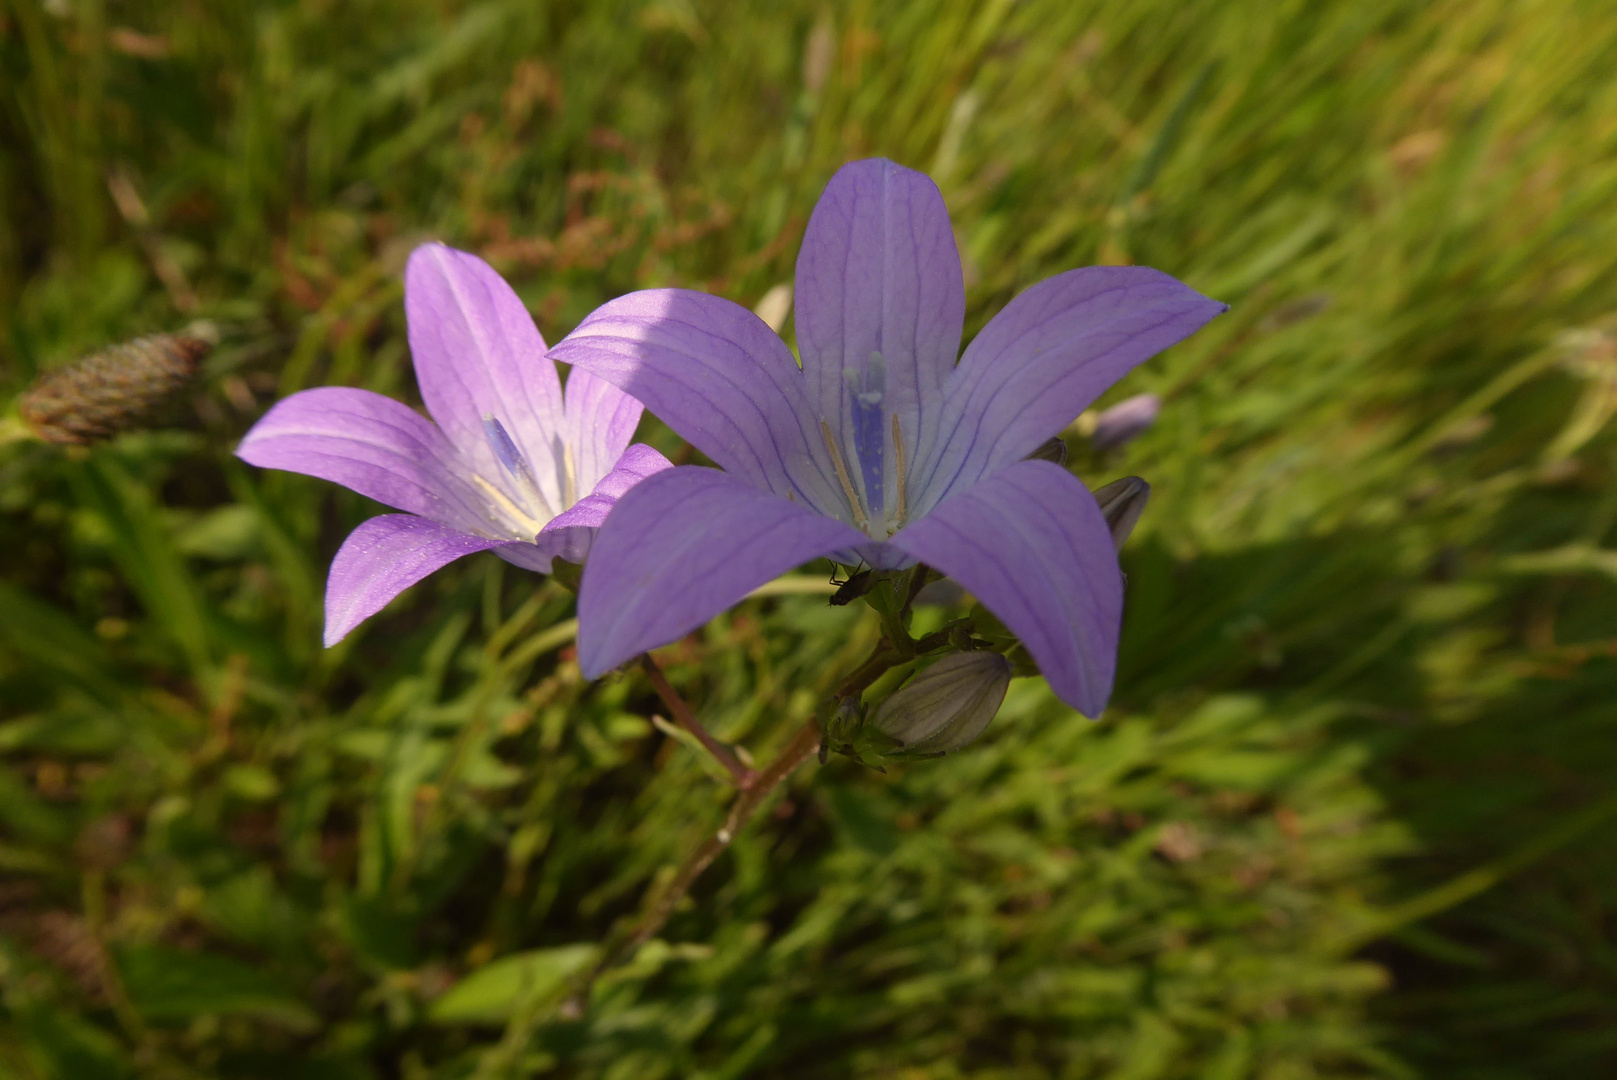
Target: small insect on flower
x,y
510,466
124,387
848,591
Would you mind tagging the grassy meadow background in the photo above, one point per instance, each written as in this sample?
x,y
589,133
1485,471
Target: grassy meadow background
x,y
1350,813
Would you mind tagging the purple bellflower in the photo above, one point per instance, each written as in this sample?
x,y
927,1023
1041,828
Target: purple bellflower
x,y
509,467
1125,421
880,449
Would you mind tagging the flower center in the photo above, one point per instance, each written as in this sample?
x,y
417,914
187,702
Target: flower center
x,y
866,390
520,512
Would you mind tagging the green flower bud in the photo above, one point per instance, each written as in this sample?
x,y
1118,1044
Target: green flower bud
x,y
121,388
946,706
844,724
1123,501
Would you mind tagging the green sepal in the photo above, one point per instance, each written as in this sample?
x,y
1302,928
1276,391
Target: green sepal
x,y
566,574
1022,663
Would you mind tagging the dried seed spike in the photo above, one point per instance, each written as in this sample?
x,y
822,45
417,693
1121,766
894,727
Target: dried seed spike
x,y
121,388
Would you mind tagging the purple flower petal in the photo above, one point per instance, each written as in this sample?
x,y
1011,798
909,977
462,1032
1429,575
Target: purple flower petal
x,y
382,558
478,354
528,556
681,547
1032,545
1045,358
879,273
569,534
372,444
1125,421
716,374
600,422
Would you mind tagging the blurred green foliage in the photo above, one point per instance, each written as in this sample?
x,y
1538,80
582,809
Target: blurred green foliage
x,y
1349,814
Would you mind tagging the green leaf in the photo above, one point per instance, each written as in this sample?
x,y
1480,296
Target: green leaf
x,y
225,533
48,637
60,1046
861,819
253,783
27,816
169,985
144,550
491,994
381,935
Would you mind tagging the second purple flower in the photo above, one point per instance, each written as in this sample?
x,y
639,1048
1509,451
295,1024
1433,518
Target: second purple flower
x,y
509,467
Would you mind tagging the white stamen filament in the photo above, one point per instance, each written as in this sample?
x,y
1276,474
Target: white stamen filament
x,y
569,476
901,512
859,518
512,510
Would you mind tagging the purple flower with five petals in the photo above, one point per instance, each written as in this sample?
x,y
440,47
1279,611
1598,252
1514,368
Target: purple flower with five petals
x,y
509,467
881,448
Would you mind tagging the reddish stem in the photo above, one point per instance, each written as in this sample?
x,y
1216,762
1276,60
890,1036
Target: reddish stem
x,y
804,744
686,718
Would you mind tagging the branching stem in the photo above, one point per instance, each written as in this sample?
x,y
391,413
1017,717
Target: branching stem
x,y
886,657
658,910
919,576
685,717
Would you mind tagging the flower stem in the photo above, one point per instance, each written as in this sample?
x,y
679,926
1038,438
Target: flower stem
x,y
885,598
868,672
659,909
886,657
920,574
686,718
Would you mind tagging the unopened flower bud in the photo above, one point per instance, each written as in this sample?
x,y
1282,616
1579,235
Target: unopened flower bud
x,y
1122,502
844,722
1125,421
1052,449
118,389
946,706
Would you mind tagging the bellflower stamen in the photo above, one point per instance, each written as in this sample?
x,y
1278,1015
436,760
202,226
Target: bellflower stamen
x,y
527,525
505,451
512,461
868,438
569,477
843,478
901,512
